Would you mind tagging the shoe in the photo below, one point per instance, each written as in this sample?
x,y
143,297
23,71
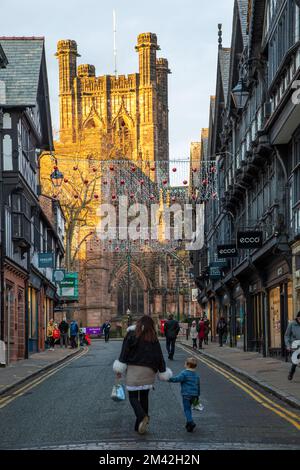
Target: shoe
x,y
143,425
190,426
290,376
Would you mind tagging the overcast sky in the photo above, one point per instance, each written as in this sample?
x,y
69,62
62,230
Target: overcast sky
x,y
187,34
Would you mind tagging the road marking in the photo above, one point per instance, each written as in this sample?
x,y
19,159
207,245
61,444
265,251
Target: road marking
x,y
22,390
287,415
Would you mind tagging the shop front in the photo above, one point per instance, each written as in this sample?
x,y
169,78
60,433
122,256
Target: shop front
x,y
240,315
281,311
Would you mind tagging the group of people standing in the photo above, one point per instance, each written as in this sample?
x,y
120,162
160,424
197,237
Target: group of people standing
x,y
63,333
200,332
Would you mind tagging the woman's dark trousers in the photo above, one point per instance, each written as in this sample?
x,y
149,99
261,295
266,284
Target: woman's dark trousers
x,y
139,402
195,343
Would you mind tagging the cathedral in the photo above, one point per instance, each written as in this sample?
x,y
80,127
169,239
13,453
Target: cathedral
x,y
115,119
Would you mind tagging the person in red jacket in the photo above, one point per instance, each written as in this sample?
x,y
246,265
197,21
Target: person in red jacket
x,y
201,332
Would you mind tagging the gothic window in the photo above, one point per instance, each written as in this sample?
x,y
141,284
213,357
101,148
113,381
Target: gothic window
x,y
122,138
130,295
90,124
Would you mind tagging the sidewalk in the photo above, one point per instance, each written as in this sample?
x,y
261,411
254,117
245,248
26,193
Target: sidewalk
x,y
20,371
269,373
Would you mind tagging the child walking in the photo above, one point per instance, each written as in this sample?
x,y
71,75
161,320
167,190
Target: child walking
x,y
190,389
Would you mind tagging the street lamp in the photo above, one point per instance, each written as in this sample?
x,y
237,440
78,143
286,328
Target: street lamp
x,y
239,95
57,178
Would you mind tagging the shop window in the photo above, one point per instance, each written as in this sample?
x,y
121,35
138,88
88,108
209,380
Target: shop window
x,y
33,312
275,321
290,302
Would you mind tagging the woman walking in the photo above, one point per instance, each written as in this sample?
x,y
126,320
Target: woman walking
x,y
194,334
141,358
201,332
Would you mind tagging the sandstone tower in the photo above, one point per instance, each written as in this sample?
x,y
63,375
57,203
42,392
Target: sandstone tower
x,y
116,118
124,116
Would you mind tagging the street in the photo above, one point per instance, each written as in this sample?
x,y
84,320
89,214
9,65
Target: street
x,y
71,408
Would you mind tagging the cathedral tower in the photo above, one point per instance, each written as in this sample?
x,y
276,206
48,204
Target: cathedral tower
x,y
67,58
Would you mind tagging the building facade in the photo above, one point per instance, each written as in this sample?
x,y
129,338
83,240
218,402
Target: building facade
x,y
253,139
27,292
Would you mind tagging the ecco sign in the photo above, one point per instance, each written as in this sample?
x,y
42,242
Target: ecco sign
x,y
227,251
247,240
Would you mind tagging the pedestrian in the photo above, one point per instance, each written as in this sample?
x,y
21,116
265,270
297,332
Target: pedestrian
x,y
64,329
190,389
106,329
292,334
221,329
73,333
206,328
50,339
56,334
171,330
140,359
201,332
194,334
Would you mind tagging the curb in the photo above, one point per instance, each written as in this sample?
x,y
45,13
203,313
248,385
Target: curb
x,y
7,389
274,391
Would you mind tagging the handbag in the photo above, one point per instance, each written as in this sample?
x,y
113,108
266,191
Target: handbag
x,y
118,393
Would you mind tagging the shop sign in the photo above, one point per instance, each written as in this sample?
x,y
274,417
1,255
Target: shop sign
x,y
215,273
248,240
68,288
93,331
58,275
227,251
219,264
46,260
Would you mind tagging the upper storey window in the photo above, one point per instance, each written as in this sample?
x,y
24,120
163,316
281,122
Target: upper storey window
x,y
282,33
272,8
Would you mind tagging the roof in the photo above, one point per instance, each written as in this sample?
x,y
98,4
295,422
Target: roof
x,y
22,73
243,6
224,58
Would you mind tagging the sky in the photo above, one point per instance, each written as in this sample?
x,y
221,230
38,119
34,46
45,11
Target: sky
x,y
187,32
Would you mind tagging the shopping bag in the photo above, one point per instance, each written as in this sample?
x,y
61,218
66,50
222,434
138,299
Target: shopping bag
x,y
196,405
118,393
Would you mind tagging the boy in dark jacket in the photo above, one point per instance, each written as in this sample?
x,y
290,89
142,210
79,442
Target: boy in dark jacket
x,y
190,389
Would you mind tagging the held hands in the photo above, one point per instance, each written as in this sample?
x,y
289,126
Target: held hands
x,y
118,375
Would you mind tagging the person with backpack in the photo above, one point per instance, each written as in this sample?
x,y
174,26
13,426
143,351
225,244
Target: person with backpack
x,y
140,360
171,330
73,333
221,329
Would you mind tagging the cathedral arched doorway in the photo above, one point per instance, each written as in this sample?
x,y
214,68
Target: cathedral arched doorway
x,y
131,292
131,295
